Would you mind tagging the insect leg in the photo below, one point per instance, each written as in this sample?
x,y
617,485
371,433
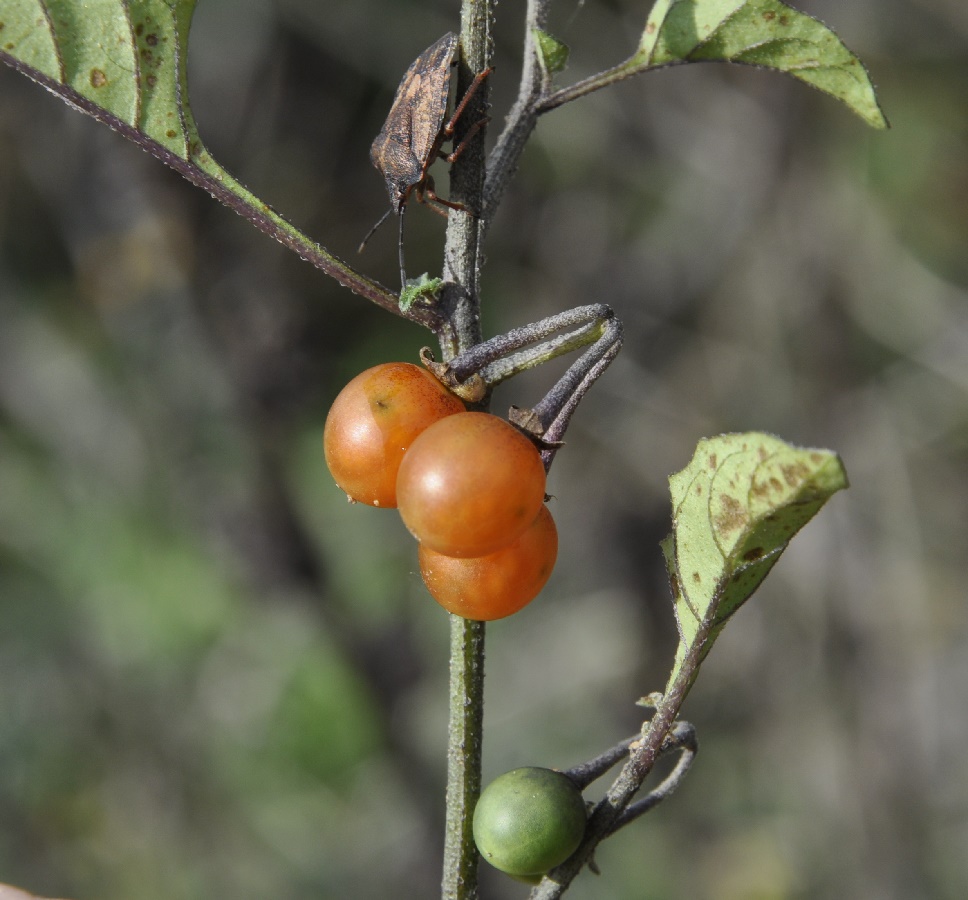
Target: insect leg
x,y
448,128
462,146
426,194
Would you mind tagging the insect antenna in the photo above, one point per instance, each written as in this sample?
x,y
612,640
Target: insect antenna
x,y
403,274
371,232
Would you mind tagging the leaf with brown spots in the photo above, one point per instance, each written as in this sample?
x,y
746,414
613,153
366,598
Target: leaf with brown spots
x,y
735,508
764,33
124,58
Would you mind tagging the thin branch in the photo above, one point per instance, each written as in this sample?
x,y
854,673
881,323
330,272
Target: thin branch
x,y
623,70
537,355
506,155
587,772
555,410
608,812
682,737
237,198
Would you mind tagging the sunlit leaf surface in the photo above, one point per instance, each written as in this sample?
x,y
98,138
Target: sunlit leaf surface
x,y
735,508
128,58
764,33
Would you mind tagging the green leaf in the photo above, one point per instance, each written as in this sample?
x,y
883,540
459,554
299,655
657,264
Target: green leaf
x,y
735,508
764,33
124,62
127,59
552,53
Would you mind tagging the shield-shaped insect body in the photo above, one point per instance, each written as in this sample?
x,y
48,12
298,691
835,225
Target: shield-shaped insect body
x,y
415,128
413,132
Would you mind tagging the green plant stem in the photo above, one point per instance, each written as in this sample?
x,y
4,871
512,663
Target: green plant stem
x,y
463,253
506,155
465,731
681,738
607,814
632,66
460,305
204,172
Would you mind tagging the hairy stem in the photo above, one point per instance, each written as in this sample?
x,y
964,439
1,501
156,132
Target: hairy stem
x,y
465,729
631,66
608,814
555,410
460,299
587,772
498,359
460,302
521,120
532,345
681,737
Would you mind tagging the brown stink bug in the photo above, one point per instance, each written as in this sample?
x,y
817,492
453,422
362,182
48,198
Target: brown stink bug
x,y
414,130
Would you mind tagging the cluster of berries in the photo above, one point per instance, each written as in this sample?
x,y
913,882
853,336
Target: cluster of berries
x,y
469,486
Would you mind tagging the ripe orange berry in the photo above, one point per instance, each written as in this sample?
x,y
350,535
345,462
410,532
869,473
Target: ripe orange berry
x,y
373,421
470,484
499,584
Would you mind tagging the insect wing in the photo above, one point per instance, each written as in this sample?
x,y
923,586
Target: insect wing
x,y
410,138
404,148
427,88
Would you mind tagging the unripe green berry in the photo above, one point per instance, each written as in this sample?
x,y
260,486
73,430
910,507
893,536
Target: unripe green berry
x,y
529,820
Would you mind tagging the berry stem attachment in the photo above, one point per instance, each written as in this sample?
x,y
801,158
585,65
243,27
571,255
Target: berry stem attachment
x,y
532,345
587,772
554,411
643,753
529,346
682,737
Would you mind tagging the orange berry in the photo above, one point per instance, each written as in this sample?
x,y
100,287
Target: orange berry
x,y
470,484
372,423
496,585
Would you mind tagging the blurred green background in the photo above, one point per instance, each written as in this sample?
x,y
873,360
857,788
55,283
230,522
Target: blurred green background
x,y
219,680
